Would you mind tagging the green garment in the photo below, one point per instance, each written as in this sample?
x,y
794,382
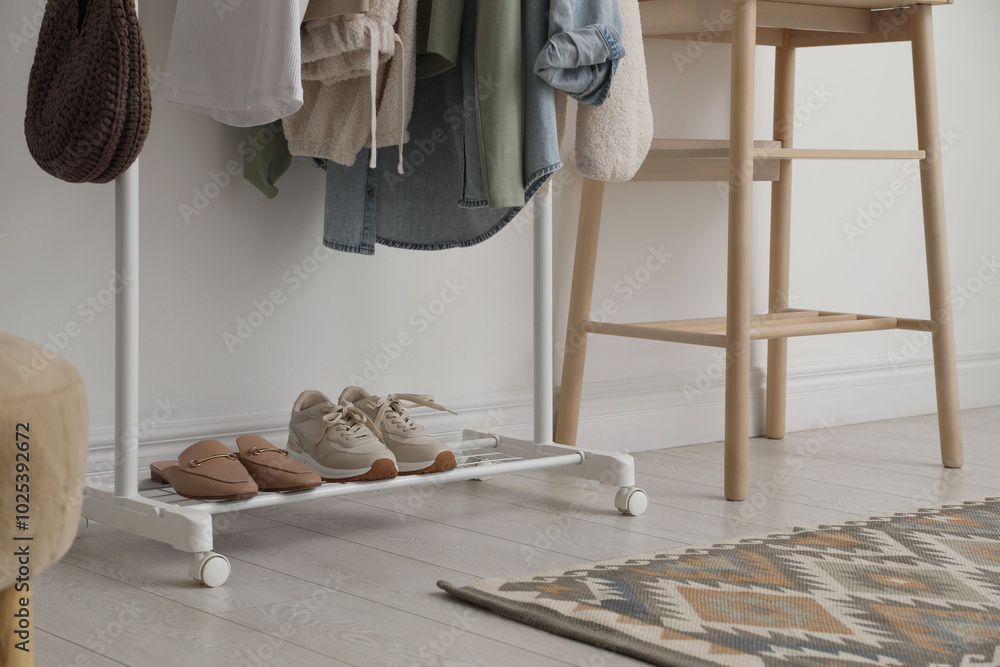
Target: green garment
x,y
265,156
439,23
500,101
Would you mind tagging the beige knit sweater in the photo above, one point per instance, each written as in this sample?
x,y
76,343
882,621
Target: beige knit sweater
x,y
335,121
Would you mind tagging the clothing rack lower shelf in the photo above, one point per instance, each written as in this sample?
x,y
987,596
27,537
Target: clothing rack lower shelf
x,y
158,513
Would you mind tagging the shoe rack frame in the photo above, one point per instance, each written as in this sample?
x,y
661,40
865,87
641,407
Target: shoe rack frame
x,y
153,511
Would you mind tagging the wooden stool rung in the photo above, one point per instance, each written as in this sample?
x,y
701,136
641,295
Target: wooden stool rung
x,y
779,153
711,331
654,333
822,325
710,324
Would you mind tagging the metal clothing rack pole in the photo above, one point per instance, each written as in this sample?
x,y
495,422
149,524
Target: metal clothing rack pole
x,y
126,460
127,334
127,331
543,316
151,510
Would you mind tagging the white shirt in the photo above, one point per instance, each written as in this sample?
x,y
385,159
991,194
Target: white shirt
x,y
239,61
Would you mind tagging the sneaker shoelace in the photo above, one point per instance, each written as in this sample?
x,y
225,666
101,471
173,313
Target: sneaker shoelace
x,y
391,408
348,421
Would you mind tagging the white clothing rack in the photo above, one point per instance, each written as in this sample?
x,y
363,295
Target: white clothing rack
x,y
154,511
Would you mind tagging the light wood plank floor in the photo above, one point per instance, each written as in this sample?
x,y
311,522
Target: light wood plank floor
x,y
352,582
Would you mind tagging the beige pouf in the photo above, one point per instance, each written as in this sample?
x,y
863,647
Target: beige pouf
x,y
43,456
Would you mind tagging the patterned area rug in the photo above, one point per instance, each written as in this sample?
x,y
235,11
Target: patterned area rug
x,y
912,588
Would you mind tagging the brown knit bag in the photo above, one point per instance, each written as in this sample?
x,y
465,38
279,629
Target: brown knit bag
x,y
88,93
138,104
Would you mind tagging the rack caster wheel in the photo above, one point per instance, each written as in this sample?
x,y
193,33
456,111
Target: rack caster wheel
x,y
209,568
631,501
484,477
82,526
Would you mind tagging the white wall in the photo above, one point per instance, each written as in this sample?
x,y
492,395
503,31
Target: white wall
x,y
57,251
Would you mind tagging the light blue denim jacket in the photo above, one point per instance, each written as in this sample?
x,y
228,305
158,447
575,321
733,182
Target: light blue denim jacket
x,y
439,201
584,47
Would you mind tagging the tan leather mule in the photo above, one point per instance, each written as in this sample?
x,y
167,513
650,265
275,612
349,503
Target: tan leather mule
x,y
206,470
272,468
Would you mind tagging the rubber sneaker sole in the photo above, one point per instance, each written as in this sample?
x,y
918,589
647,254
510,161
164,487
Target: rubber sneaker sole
x,y
444,461
381,469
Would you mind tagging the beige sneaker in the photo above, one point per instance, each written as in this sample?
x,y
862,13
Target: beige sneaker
x,y
415,449
337,441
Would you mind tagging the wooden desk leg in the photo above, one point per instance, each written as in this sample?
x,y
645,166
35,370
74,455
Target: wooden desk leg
x,y
738,279
936,237
10,655
781,221
580,297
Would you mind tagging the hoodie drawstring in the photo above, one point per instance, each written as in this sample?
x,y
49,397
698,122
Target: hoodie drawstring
x,y
373,79
373,50
402,102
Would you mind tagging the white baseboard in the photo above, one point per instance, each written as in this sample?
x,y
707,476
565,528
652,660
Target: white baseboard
x,y
653,414
647,413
